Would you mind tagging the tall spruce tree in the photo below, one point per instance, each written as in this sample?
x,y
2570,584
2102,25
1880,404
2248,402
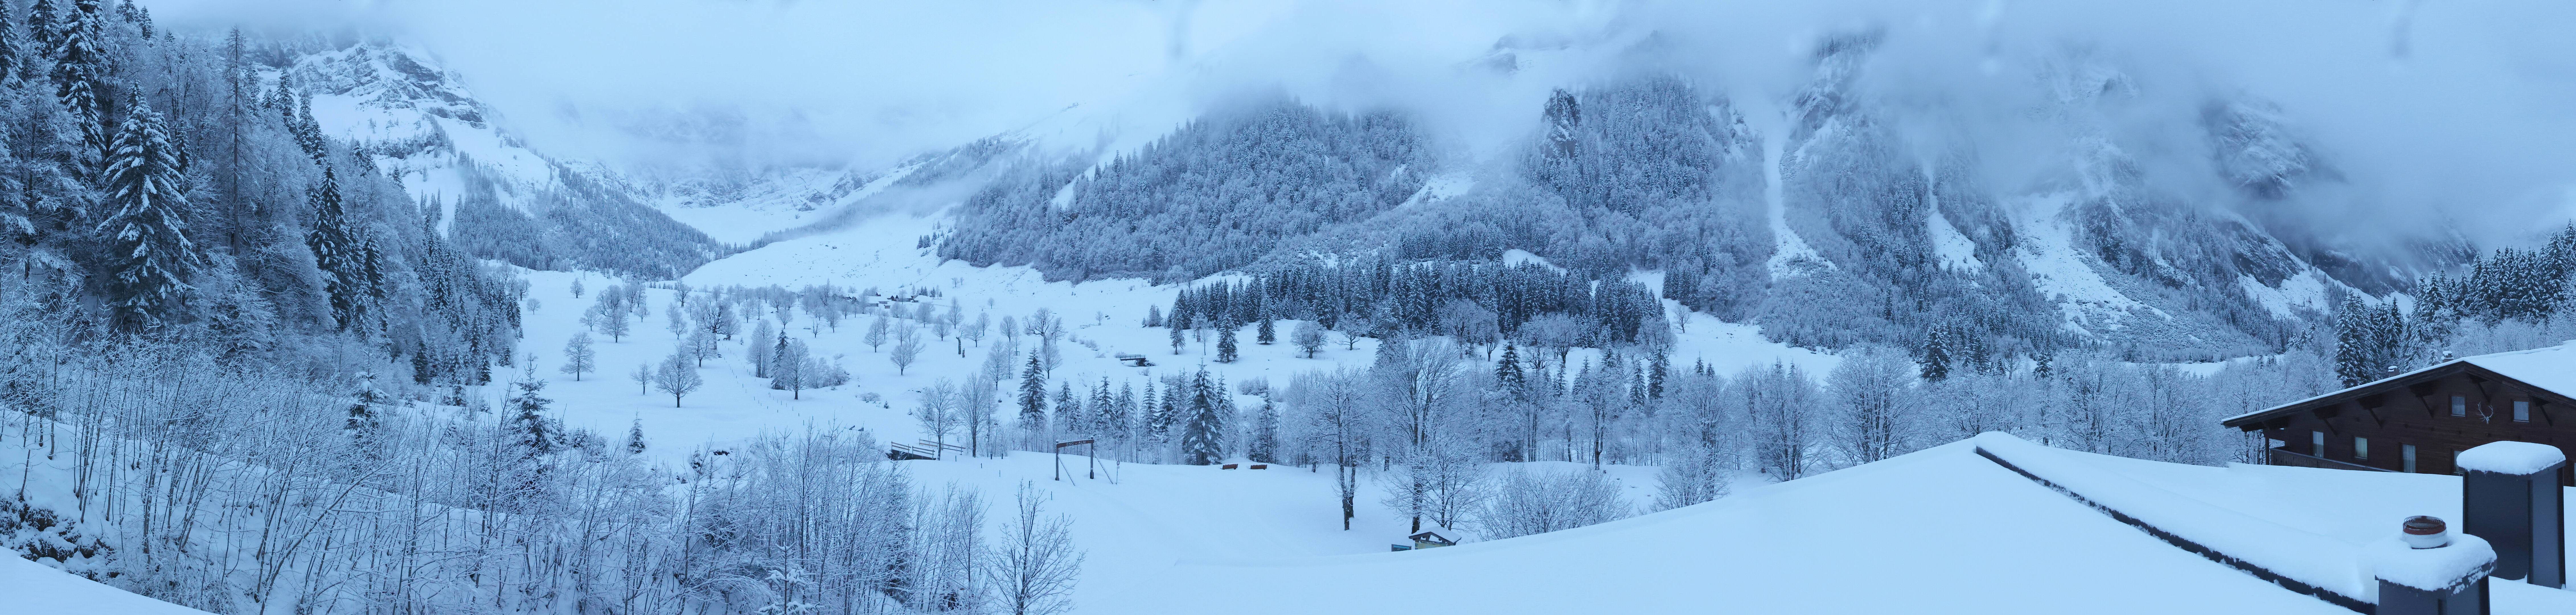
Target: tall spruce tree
x,y
80,73
1069,418
1264,445
1225,347
336,251
307,132
1152,420
1033,417
45,23
1103,410
1936,357
535,435
2370,341
1200,444
9,50
149,256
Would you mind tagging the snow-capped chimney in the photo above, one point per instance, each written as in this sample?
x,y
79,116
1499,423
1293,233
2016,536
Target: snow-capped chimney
x,y
2428,571
2511,498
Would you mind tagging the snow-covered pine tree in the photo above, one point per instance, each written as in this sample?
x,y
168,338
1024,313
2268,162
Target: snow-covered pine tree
x,y
1101,410
1069,418
1154,421
44,23
1177,340
150,258
1201,443
1508,376
1264,444
2370,341
307,132
80,74
1936,356
1267,333
10,50
635,437
363,421
1033,417
533,434
1657,370
336,252
1121,420
1225,349
787,363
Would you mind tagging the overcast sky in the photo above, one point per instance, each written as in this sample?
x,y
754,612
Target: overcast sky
x,y
2439,106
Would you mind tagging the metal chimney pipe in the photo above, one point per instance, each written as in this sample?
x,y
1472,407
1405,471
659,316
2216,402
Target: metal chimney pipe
x,y
2510,497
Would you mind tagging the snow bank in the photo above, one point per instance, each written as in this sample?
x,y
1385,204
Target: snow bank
x,y
33,588
2511,457
2465,560
2297,559
1879,538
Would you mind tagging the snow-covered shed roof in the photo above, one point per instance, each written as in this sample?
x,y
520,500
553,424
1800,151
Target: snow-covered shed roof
x,y
1944,530
2551,369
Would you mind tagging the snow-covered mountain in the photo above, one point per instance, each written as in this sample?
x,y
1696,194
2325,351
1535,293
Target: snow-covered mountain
x,y
2176,243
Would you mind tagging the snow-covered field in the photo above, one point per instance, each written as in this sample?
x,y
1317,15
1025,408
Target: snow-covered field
x,y
1137,520
1104,318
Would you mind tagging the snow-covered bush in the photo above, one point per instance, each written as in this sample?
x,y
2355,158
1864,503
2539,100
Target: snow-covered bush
x,y
1526,502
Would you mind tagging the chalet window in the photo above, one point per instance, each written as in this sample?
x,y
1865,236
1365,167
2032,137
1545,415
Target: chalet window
x,y
2360,447
2406,455
2459,406
2522,410
2317,443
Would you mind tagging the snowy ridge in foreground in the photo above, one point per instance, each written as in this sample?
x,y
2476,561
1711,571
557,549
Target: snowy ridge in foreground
x,y
1940,530
33,588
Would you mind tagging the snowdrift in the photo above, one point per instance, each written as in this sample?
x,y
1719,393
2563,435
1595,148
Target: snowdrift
x,y
1941,530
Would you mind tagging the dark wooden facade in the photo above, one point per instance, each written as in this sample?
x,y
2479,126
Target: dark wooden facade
x,y
2424,418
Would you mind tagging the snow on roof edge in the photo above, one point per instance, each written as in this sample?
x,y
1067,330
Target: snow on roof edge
x,y
2490,361
2511,457
2339,391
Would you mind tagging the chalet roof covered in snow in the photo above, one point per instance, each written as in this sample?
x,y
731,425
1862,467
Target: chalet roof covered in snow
x,y
2551,370
1943,530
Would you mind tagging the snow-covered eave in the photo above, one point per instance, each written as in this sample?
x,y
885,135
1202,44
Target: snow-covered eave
x,y
2251,420
2241,420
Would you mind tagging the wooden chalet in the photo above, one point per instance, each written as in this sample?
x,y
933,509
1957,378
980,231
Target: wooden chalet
x,y
2419,421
